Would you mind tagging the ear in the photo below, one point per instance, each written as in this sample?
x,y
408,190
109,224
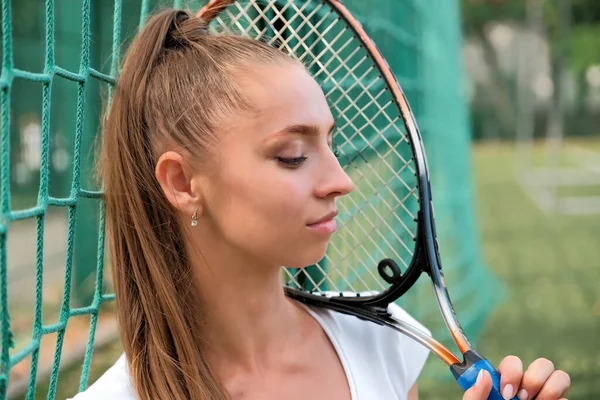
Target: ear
x,y
179,183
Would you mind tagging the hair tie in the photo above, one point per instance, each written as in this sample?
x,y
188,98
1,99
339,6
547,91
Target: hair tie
x,y
185,28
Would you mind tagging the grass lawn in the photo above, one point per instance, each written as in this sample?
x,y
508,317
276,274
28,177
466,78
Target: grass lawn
x,y
550,266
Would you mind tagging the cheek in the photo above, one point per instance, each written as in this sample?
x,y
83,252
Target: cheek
x,y
268,194
263,210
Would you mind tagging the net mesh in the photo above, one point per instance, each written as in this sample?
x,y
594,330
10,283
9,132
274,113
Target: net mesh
x,y
58,66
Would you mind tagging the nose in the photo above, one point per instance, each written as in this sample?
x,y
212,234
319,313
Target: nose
x,y
334,180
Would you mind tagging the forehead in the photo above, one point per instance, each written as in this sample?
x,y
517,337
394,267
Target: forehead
x,y
283,95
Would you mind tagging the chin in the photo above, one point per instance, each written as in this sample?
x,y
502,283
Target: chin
x,y
305,258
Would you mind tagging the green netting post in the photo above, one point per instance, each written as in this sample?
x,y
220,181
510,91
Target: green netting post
x,y
7,65
89,108
109,24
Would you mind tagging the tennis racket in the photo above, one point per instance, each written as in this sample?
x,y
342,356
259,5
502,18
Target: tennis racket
x,y
386,239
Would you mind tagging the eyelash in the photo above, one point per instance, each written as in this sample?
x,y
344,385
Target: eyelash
x,y
297,161
294,162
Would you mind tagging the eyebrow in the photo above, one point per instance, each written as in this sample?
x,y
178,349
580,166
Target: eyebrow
x,y
309,130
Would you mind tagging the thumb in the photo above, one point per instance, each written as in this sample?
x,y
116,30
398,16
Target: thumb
x,y
481,389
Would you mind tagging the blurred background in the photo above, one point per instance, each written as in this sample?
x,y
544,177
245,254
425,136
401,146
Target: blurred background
x,y
532,71
508,100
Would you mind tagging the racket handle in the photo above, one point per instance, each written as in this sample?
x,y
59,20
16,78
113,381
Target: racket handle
x,y
466,373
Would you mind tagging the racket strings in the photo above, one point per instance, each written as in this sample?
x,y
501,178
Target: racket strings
x,y
377,220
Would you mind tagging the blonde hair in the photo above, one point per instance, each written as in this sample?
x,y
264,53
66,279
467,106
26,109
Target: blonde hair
x,y
176,88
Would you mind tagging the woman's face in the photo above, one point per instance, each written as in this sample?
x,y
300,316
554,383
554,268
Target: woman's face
x,y
276,175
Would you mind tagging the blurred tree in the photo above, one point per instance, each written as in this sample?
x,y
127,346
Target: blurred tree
x,y
585,11
476,14
498,100
584,37
583,42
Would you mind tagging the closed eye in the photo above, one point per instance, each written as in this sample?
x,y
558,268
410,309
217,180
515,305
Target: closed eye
x,y
294,162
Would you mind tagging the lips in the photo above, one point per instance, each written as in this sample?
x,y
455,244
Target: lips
x,y
326,225
327,217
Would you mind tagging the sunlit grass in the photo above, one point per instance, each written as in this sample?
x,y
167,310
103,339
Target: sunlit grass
x,y
551,267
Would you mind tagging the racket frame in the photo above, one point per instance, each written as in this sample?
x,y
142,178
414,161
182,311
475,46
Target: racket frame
x,y
426,256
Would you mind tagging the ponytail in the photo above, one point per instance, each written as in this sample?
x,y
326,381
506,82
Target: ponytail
x,y
177,88
157,310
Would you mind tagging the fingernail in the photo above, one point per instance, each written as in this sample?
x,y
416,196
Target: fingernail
x,y
508,392
523,395
479,377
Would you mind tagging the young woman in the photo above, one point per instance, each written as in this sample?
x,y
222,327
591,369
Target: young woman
x,y
218,169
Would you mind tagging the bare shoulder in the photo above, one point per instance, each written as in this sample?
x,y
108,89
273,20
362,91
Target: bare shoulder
x,y
114,383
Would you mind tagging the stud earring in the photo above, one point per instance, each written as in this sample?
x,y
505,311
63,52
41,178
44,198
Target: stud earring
x,y
195,217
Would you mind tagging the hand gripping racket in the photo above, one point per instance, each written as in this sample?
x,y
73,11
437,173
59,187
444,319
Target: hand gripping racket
x,y
387,237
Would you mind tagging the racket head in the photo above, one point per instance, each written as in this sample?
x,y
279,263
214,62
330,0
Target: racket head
x,y
387,216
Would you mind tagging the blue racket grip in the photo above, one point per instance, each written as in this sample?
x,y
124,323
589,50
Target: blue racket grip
x,y
466,373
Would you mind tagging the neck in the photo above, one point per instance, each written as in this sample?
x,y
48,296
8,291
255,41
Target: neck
x,y
249,322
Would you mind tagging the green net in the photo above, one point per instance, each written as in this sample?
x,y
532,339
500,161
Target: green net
x,y
58,66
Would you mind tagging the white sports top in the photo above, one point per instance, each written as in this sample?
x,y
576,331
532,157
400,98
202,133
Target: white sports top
x,y
380,363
